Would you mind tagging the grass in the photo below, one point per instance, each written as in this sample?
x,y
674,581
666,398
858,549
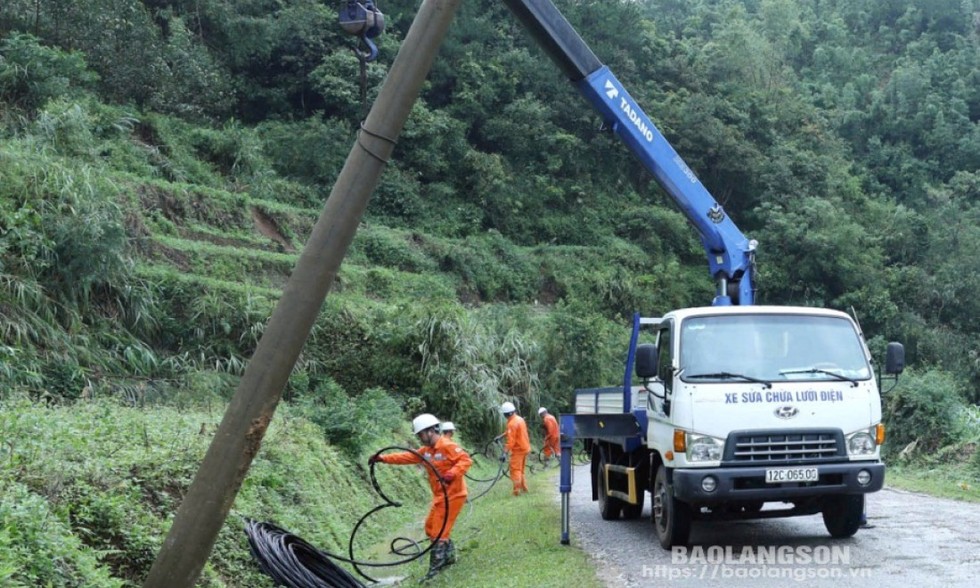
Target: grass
x,y
87,490
956,481
165,272
506,541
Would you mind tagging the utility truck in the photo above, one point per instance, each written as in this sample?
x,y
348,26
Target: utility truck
x,y
737,407
738,410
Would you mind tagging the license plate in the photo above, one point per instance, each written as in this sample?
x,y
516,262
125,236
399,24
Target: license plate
x,y
780,475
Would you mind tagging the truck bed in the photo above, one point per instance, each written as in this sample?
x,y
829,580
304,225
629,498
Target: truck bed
x,y
608,400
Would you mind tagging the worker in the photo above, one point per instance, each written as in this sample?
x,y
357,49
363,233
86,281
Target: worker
x,y
448,429
517,445
450,463
550,424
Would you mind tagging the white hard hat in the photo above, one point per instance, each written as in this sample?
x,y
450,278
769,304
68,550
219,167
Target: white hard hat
x,y
542,410
423,422
507,407
447,426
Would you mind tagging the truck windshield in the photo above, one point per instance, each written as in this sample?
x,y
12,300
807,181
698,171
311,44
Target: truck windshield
x,y
771,348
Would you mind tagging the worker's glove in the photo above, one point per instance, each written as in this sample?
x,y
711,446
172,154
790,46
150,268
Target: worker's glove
x,y
448,477
503,458
374,459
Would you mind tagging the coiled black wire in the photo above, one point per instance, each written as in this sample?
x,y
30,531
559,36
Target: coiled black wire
x,y
291,561
489,452
294,563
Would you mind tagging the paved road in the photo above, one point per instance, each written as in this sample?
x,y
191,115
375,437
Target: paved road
x,y
911,540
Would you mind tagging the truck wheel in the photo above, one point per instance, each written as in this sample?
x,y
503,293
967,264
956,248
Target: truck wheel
x,y
609,506
631,512
671,517
842,515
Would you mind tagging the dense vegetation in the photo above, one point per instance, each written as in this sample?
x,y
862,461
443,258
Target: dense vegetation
x,y
162,162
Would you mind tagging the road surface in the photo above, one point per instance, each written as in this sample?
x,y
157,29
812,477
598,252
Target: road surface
x,y
911,540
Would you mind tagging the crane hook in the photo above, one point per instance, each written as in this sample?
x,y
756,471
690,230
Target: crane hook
x,y
364,20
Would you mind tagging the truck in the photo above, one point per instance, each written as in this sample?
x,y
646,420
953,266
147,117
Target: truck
x,y
738,410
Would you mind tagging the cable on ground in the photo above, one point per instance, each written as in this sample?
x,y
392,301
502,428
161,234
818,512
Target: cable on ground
x,y
294,563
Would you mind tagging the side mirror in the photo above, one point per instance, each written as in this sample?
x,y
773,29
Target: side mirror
x,y
894,359
646,360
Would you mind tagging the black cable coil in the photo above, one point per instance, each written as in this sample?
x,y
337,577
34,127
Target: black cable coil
x,y
292,562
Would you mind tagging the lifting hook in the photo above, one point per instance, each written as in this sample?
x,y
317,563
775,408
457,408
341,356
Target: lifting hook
x,y
364,20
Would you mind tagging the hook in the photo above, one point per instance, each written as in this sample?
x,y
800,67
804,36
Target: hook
x,y
365,21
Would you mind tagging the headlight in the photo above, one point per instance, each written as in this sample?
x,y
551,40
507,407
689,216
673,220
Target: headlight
x,y
702,448
861,443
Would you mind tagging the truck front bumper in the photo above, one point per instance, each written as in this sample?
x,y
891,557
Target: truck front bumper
x,y
749,483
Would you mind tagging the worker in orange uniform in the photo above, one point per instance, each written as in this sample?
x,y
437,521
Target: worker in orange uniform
x,y
550,424
450,462
517,444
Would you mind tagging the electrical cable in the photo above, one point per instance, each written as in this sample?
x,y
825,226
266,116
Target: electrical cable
x,y
543,463
491,454
501,469
294,563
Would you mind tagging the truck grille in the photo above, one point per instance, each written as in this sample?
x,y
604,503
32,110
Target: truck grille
x,y
784,446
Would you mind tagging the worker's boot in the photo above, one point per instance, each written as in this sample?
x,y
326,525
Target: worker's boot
x,y
437,560
451,556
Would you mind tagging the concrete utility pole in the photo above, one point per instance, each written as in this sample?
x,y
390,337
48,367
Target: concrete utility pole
x,y
212,493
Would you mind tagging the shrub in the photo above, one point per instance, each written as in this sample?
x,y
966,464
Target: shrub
x,y
398,200
31,74
311,152
471,365
362,345
352,424
925,408
38,549
392,249
579,349
61,227
493,268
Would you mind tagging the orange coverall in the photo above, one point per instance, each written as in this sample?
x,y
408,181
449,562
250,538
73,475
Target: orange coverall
x,y
551,445
518,444
447,456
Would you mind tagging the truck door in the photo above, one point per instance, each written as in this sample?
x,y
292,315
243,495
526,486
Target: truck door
x,y
661,387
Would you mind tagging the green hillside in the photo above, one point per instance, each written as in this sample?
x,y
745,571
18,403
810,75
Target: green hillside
x,y
162,164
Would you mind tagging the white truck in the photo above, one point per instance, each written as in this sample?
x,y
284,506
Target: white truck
x,y
738,407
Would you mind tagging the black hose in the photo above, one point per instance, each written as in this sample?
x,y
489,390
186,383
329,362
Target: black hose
x,y
294,563
489,453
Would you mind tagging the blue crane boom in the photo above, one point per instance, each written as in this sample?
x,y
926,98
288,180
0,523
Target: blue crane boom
x,y
731,255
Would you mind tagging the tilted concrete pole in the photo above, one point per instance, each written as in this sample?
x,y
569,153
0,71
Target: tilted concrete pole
x,y
210,496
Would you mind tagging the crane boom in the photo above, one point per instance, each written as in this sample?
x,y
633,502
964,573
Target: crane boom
x,y
731,255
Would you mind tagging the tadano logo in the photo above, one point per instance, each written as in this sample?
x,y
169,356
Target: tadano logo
x,y
612,92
